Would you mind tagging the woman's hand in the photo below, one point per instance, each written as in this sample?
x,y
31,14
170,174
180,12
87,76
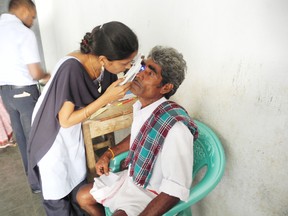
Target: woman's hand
x,y
115,91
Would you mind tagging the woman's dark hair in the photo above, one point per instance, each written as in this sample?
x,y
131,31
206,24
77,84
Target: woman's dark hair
x,y
114,40
173,66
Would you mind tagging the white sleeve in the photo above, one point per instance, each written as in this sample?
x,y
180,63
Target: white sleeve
x,y
29,49
177,162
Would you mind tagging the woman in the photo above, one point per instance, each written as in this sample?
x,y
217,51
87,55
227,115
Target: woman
x,y
79,86
5,127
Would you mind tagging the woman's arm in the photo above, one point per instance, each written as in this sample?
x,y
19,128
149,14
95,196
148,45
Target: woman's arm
x,y
68,116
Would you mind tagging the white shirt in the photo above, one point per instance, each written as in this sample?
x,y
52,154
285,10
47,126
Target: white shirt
x,y
18,47
64,166
172,173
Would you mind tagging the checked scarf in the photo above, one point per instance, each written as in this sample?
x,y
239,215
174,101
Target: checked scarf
x,y
147,144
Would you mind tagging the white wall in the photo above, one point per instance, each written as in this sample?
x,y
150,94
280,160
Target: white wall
x,y
236,52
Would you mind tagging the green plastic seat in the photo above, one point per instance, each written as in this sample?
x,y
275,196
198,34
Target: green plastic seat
x,y
209,153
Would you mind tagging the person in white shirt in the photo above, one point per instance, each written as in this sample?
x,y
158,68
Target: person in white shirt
x,y
20,70
160,145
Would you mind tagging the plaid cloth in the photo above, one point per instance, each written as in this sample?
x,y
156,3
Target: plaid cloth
x,y
147,144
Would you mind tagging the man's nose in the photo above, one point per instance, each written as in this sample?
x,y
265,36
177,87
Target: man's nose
x,y
141,73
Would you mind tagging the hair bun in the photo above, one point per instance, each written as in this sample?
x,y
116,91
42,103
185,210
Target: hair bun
x,y
85,43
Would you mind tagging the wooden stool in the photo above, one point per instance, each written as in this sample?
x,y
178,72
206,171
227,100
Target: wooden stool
x,y
102,143
98,131
98,146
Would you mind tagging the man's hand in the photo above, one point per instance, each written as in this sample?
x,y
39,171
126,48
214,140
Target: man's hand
x,y
45,79
159,205
102,165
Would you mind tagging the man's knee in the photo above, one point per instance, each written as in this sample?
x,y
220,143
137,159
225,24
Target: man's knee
x,y
119,213
84,197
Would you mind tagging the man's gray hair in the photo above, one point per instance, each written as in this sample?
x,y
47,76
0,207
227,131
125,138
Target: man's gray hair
x,y
173,66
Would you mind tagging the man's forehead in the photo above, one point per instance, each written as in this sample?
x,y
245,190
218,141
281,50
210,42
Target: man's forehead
x,y
153,65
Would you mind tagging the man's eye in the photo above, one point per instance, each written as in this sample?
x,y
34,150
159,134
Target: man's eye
x,y
151,73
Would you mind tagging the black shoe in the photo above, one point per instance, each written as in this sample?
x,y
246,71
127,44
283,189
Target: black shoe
x,y
36,191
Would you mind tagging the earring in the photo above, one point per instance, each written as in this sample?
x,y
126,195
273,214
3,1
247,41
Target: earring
x,y
100,78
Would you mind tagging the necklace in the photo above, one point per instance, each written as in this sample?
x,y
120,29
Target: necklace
x,y
99,78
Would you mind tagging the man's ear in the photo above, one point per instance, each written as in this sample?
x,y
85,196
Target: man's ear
x,y
25,10
20,12
166,88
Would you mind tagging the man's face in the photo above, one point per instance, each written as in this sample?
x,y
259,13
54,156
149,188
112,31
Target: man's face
x,y
28,17
147,85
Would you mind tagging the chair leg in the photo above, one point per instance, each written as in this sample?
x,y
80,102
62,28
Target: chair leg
x,y
186,212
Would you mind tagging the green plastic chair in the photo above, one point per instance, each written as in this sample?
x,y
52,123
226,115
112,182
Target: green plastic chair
x,y
208,152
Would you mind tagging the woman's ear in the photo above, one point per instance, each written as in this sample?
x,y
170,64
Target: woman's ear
x,y
103,60
166,88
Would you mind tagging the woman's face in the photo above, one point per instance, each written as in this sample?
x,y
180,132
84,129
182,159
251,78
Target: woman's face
x,y
118,66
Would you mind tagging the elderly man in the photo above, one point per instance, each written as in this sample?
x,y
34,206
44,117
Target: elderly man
x,y
160,146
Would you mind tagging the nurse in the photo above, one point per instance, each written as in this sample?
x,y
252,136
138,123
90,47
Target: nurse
x,y
82,82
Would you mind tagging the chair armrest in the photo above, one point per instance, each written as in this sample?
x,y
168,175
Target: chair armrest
x,y
198,192
115,163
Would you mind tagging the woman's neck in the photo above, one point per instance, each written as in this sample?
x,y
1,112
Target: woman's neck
x,y
90,63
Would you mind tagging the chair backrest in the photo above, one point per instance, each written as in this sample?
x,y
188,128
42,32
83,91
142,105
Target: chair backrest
x,y
209,153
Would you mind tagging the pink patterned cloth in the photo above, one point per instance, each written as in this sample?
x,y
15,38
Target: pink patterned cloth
x,y
5,125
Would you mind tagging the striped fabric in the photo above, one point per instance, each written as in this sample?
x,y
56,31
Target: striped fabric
x,y
147,144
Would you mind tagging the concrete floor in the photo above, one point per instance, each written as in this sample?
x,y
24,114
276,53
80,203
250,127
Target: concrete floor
x,y
16,198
